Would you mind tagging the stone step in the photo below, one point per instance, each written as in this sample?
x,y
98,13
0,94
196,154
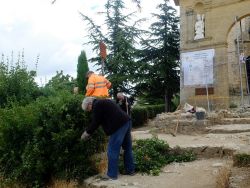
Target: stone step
x,y
202,149
229,128
207,152
235,121
205,122
237,142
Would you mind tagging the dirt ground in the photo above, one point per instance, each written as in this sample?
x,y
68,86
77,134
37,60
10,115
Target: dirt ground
x,y
214,140
240,178
197,174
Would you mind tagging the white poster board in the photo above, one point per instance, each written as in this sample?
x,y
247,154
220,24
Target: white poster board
x,y
197,67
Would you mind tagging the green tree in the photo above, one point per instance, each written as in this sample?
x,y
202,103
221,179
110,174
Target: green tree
x,y
59,83
82,69
159,71
120,40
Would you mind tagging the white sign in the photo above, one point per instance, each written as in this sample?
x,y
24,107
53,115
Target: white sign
x,y
197,67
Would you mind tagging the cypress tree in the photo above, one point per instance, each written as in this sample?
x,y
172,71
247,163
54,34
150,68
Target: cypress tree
x,y
82,69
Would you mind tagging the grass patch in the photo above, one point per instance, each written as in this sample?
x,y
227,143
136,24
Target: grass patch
x,y
232,105
63,184
241,160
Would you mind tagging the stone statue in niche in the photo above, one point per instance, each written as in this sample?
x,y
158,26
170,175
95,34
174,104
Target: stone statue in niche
x,y
199,27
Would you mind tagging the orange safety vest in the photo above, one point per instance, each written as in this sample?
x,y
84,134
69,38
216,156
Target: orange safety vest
x,y
97,86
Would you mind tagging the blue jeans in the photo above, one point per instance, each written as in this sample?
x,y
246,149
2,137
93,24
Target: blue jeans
x,y
121,138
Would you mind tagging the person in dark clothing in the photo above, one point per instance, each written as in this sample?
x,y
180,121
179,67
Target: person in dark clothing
x,y
124,103
116,124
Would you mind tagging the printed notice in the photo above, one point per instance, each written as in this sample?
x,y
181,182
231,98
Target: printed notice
x,y
197,67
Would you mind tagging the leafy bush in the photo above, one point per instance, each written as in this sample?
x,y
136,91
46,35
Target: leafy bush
x,y
17,84
41,141
58,83
152,154
178,155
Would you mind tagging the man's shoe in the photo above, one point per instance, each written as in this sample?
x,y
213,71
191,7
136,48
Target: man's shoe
x,y
107,178
129,173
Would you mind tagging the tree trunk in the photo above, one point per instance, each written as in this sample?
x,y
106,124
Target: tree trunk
x,y
167,101
115,91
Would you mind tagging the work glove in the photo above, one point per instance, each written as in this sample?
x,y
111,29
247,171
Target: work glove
x,y
85,136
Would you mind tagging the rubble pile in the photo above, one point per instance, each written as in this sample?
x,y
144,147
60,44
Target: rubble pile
x,y
187,122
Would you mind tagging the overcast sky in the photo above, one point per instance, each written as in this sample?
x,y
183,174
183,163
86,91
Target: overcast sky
x,y
55,32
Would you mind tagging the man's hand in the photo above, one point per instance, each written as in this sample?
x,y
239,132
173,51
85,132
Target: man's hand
x,y
85,136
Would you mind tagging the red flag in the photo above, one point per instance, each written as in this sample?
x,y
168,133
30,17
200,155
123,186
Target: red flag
x,y
103,52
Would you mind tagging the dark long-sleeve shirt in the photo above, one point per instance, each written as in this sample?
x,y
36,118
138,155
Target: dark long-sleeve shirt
x,y
107,113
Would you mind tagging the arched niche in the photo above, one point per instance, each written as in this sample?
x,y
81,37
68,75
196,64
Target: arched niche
x,y
199,24
199,8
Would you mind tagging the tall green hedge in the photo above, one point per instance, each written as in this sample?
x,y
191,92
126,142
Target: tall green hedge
x,y
141,114
41,141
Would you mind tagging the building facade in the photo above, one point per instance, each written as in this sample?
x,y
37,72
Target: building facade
x,y
215,52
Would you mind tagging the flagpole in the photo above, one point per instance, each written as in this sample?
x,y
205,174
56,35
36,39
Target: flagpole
x,y
240,71
102,61
206,74
243,61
